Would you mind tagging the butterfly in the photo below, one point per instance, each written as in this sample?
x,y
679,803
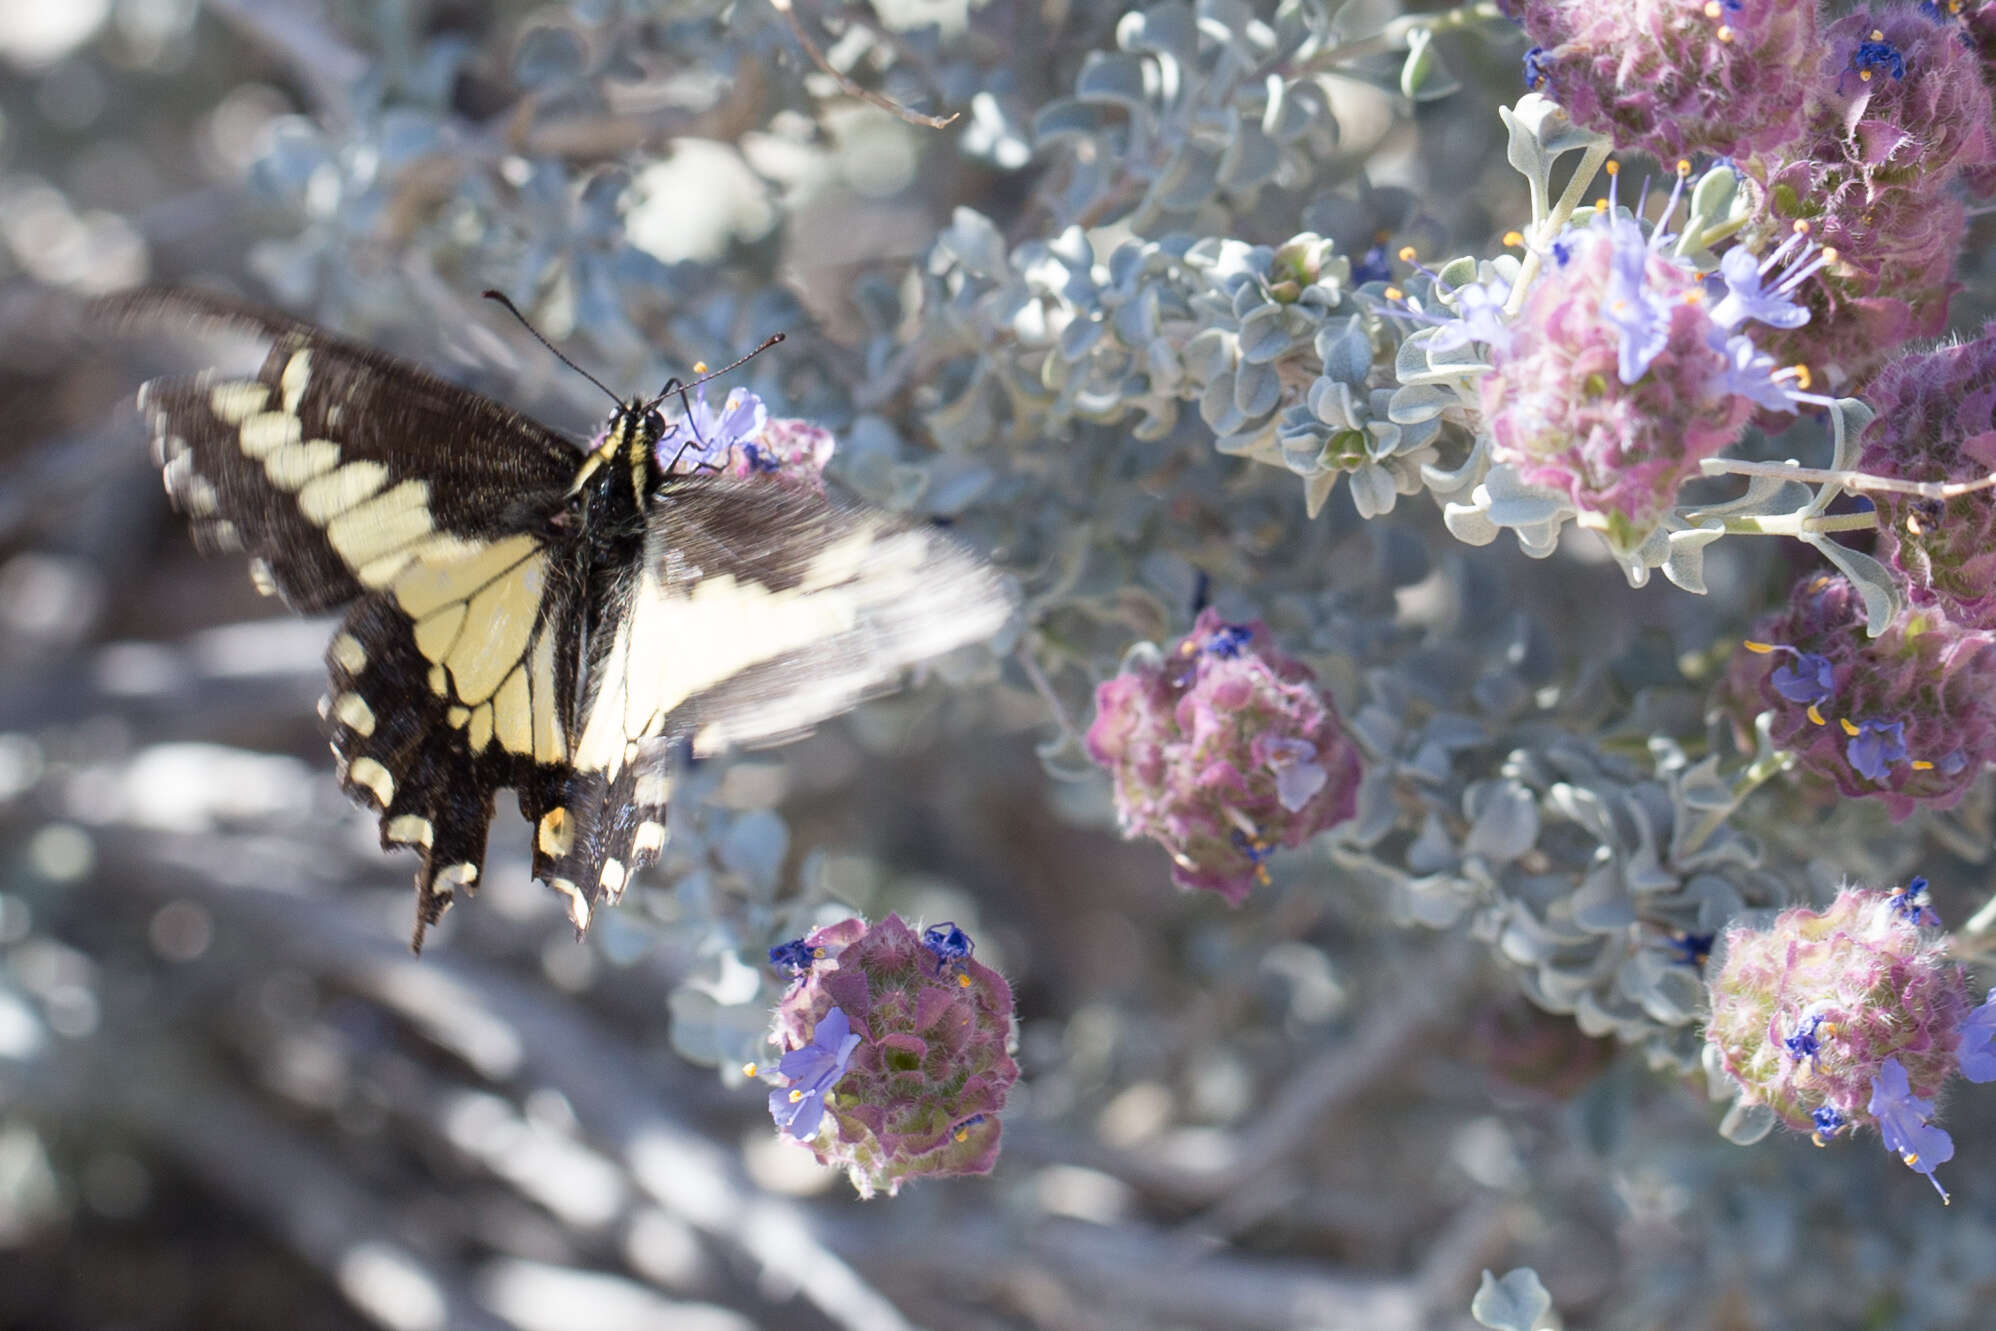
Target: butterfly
x,y
521,611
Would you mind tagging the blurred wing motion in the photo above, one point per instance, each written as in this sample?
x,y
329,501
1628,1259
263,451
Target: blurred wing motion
x,y
505,628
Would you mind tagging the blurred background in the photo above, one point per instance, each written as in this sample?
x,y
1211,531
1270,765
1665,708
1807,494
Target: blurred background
x,y
230,1097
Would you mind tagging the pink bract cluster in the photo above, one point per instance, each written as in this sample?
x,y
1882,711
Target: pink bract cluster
x,y
1806,1012
1222,751
1677,77
1908,717
918,1092
1557,403
1899,112
1937,422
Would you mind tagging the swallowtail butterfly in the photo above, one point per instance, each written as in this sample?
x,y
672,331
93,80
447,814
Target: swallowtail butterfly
x,y
521,611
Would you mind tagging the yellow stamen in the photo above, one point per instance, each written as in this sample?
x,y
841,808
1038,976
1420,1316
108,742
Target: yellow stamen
x,y
1395,293
1758,648
1877,34
748,1069
1864,76
795,1096
1848,728
963,981
1829,254
1724,34
1513,238
1815,715
1801,227
1683,166
1613,168
1921,765
1601,204
818,953
699,367
963,1134
1407,253
1817,1138
1694,296
1713,9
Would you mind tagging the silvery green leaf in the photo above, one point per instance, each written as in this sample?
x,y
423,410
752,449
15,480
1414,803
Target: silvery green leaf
x,y
1346,351
1067,119
1685,562
1874,582
1517,1302
1746,1124
1504,820
1257,389
975,242
1189,180
1263,335
1601,904
1119,79
1513,503
1373,492
1425,77
1436,901
1469,524
1250,160
1412,404
1080,337
1210,354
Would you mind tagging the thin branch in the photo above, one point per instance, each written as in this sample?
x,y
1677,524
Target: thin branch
x,y
1855,482
852,89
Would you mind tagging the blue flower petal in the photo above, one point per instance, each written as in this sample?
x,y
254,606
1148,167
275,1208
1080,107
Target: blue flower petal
x,y
1977,1054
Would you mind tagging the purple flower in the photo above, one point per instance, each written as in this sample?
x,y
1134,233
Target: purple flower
x,y
1913,905
1479,317
1748,297
1804,1042
1828,1124
715,434
1640,315
1903,1121
1875,746
795,955
948,943
813,1071
1298,774
1808,679
1977,1055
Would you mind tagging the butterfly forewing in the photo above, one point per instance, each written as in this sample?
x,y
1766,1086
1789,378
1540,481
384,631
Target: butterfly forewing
x,y
503,629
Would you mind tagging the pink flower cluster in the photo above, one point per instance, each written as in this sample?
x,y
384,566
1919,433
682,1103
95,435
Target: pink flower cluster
x,y
1908,717
1222,751
1615,381
1676,77
1937,422
903,1043
1850,1018
1900,111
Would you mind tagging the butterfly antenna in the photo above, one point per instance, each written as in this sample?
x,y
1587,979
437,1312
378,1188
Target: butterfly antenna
x,y
674,386
514,310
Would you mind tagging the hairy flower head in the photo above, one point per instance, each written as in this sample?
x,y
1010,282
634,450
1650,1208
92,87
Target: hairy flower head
x,y
1899,111
901,1043
1626,368
1937,422
1908,717
1221,751
1676,77
1850,1017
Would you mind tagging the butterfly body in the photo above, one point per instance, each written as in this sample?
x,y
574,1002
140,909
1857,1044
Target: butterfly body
x,y
523,613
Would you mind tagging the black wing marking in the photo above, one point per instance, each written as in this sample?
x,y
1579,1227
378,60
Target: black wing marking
x,y
336,466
